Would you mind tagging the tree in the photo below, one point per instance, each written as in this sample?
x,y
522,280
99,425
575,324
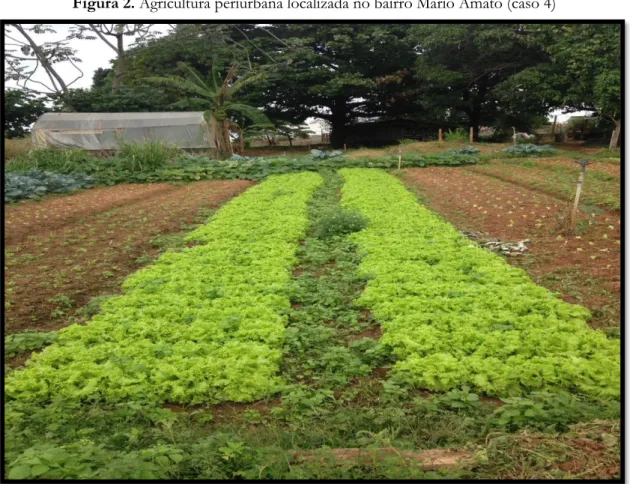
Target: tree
x,y
339,73
25,56
21,109
103,100
462,67
216,97
117,33
583,70
291,132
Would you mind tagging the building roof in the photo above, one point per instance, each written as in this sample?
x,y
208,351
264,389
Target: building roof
x,y
90,121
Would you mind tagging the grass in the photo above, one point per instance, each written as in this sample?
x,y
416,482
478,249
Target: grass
x,y
15,147
423,147
600,189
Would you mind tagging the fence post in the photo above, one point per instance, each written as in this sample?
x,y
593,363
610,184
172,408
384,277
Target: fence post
x,y
472,135
399,157
440,135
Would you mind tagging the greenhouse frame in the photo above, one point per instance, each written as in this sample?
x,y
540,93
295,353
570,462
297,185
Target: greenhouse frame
x,y
106,131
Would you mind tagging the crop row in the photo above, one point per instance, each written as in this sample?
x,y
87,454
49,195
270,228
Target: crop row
x,y
202,325
456,314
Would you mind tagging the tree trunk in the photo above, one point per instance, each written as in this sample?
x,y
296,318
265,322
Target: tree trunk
x,y
221,135
290,141
338,120
614,139
120,63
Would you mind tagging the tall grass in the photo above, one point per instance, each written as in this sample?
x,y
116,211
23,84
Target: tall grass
x,y
15,147
60,161
145,156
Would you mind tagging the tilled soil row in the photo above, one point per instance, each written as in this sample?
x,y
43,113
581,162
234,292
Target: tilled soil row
x,y
52,274
584,268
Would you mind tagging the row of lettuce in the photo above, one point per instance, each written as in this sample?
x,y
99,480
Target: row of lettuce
x,y
455,314
207,324
202,325
41,172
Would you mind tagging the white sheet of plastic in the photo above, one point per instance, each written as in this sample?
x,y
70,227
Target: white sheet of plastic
x,y
105,131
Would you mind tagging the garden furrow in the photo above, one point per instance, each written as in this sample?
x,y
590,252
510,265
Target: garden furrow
x,y
202,325
456,314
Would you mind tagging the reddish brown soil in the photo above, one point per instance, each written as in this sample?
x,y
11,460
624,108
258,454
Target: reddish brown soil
x,y
35,217
584,268
90,256
561,184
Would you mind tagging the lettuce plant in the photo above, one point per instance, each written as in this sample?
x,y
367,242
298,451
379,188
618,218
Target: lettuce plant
x,y
456,314
202,325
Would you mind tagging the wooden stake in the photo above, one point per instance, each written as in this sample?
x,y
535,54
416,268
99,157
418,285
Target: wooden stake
x,y
440,135
399,157
578,192
472,135
344,147
553,126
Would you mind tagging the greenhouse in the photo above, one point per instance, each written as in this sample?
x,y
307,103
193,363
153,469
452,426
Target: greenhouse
x,y
105,131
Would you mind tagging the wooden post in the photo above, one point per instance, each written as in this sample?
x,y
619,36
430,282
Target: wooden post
x,y
514,135
399,157
440,135
553,126
344,147
472,135
578,191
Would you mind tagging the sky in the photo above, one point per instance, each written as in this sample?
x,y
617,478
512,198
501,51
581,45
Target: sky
x,y
95,54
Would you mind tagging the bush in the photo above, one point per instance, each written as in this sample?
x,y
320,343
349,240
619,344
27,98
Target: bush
x,y
37,183
529,149
457,136
340,222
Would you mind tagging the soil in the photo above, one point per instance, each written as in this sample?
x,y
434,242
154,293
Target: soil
x,y
89,249
584,268
34,217
605,194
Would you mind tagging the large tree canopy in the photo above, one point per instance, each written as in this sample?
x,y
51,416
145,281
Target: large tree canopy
x,y
339,73
501,75
464,66
21,109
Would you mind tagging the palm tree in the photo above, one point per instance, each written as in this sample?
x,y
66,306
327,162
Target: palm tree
x,y
216,96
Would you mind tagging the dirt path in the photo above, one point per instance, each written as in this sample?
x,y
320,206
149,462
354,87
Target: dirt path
x,y
584,268
53,273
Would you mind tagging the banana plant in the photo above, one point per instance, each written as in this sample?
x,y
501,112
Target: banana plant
x,y
217,97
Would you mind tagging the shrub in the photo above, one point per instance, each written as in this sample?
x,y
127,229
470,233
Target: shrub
x,y
37,183
340,222
457,136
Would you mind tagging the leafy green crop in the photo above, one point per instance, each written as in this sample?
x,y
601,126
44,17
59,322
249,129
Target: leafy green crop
x,y
202,325
466,150
529,149
36,183
456,314
17,343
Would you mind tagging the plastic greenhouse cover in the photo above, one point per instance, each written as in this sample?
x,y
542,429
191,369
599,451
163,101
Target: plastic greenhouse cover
x,y
103,131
